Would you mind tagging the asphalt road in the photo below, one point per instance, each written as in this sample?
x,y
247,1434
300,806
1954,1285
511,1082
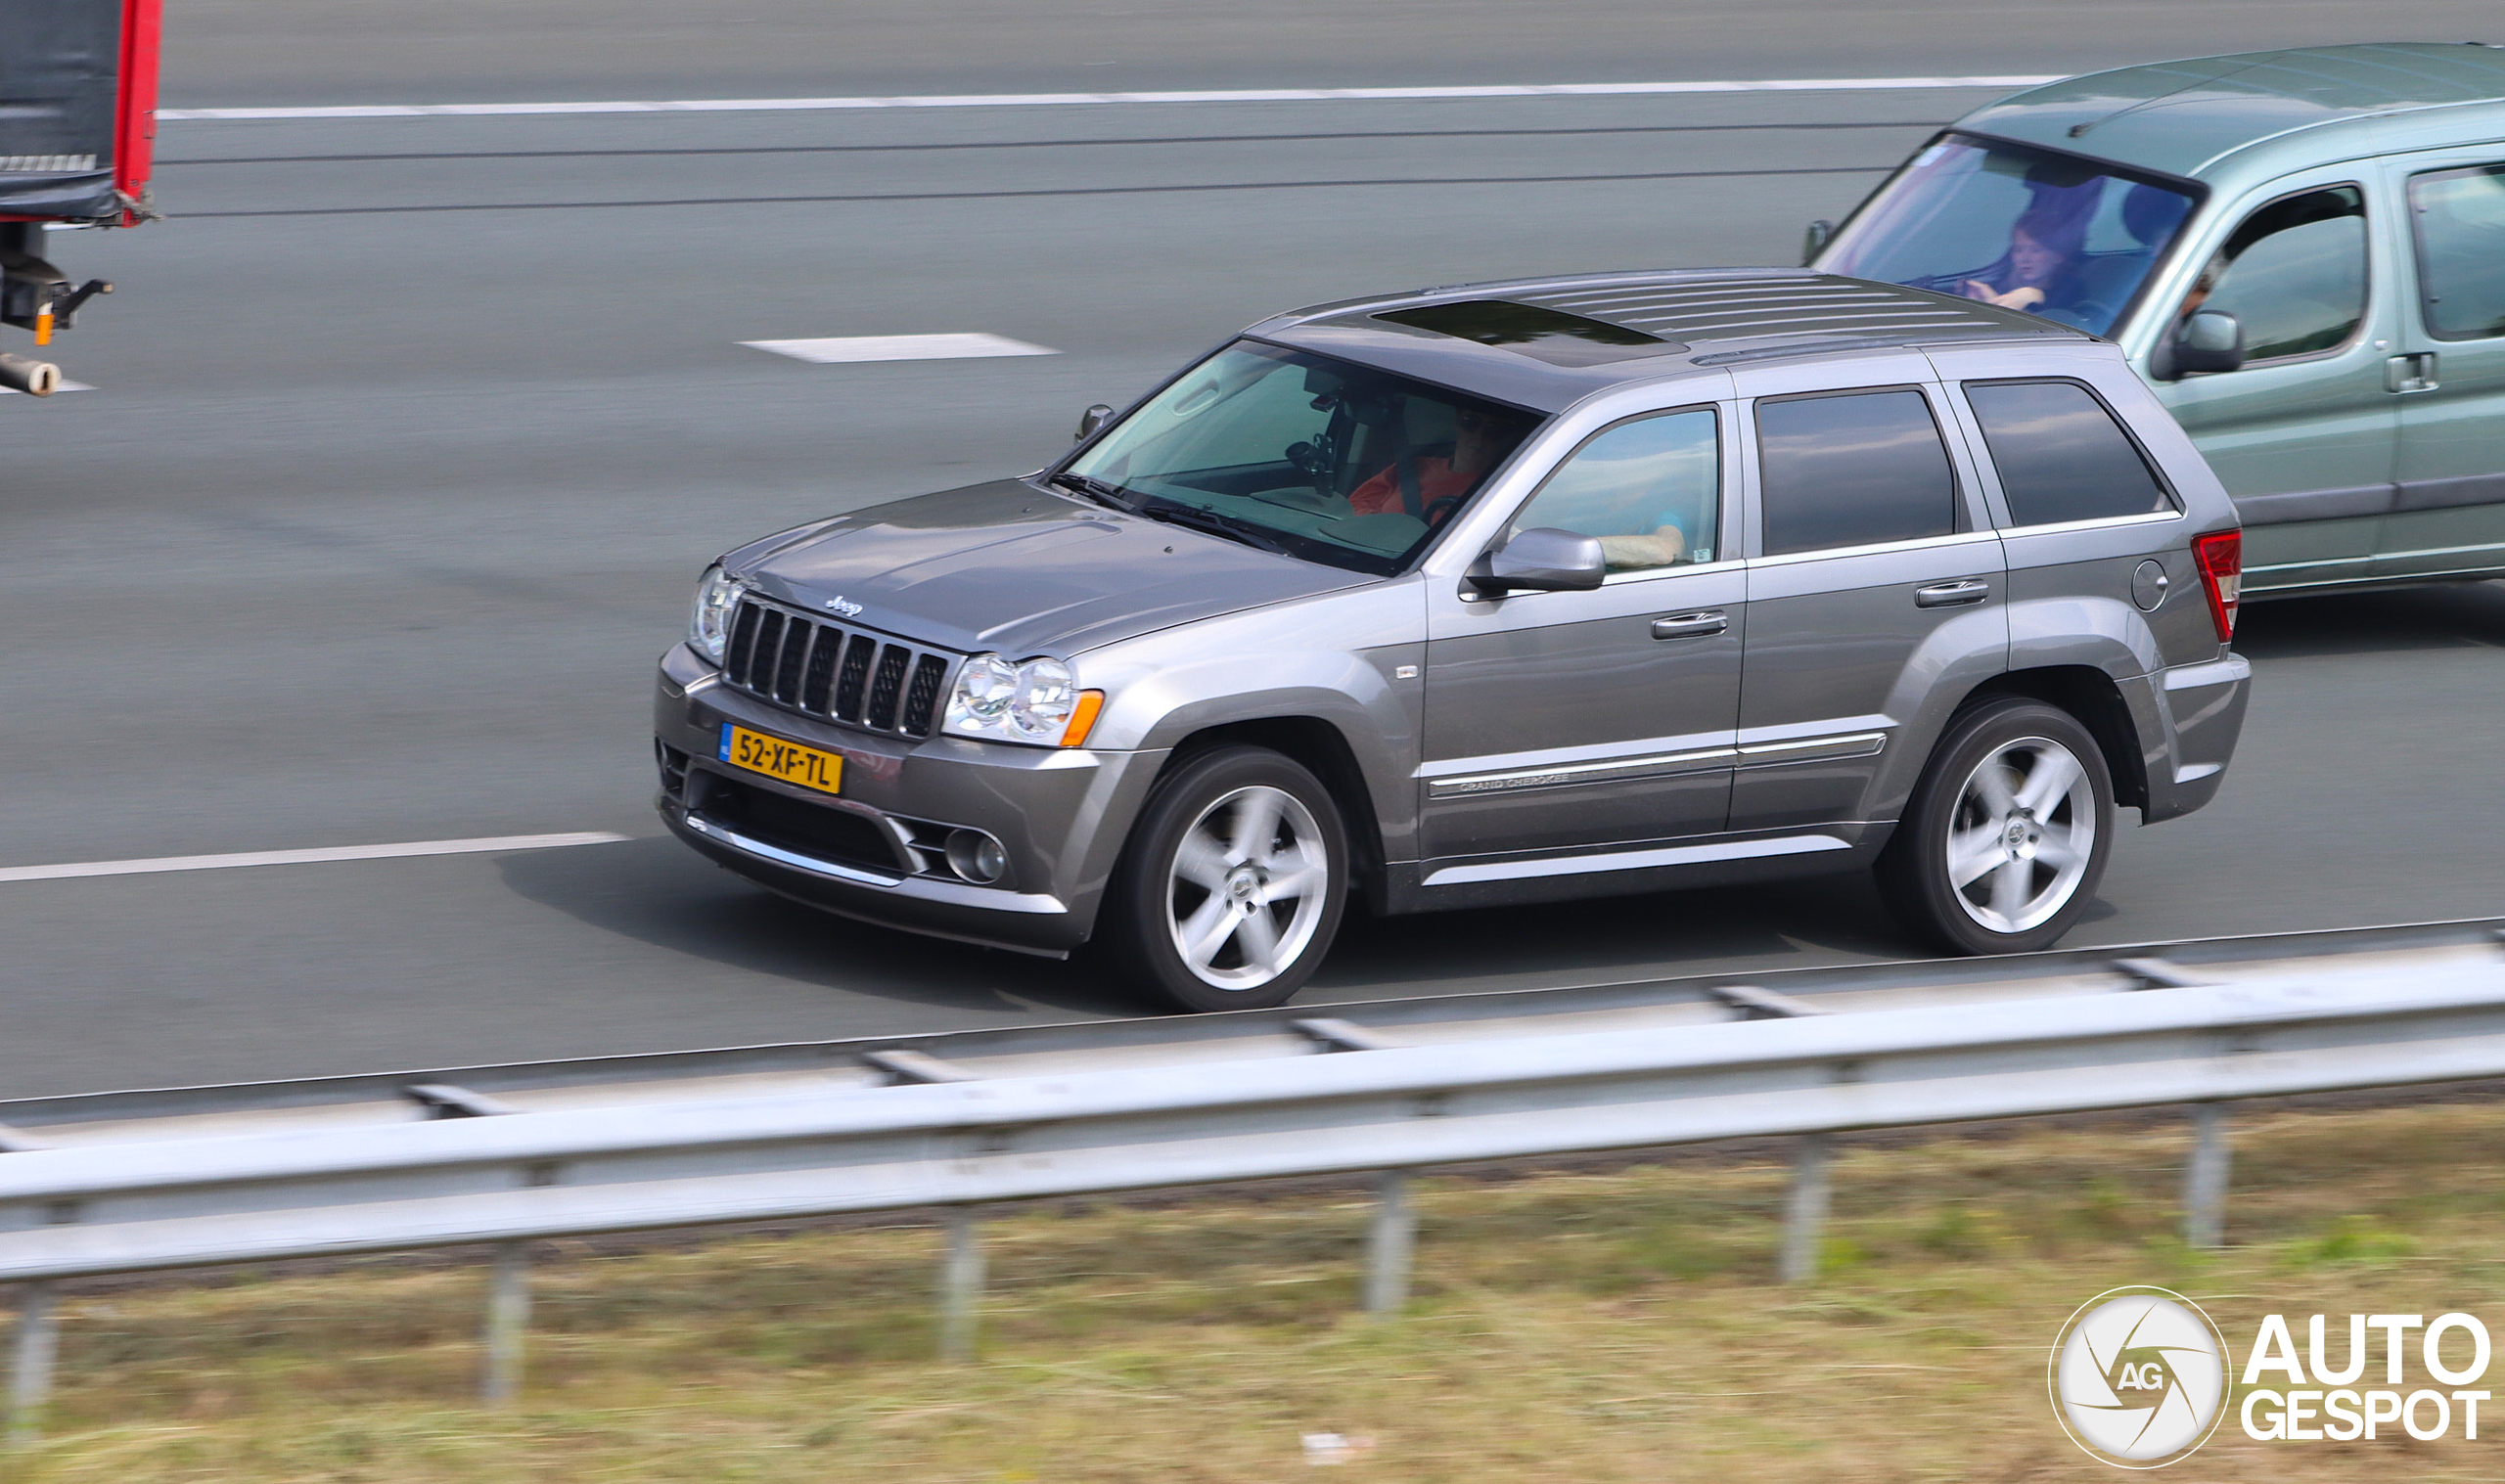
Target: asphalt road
x,y
399,470
236,51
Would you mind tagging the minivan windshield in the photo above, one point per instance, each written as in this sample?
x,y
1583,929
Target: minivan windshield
x,y
2029,229
1319,458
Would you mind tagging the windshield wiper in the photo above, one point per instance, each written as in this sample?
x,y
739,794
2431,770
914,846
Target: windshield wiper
x,y
1098,490
1209,522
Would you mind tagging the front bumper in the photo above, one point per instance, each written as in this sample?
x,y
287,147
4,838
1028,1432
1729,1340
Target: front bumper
x,y
1059,814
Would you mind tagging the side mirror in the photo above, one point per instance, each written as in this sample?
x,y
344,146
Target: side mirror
x,y
1090,421
1541,560
2209,341
1814,241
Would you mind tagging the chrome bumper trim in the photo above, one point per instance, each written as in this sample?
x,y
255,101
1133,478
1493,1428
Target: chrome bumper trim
x,y
920,888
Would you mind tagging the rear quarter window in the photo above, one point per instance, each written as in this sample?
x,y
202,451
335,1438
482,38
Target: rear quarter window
x,y
2061,455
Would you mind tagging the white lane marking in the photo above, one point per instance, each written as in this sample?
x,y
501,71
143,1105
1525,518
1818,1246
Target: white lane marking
x,y
66,386
304,857
1063,100
835,349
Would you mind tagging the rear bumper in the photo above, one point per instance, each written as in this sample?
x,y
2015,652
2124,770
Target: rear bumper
x,y
2190,717
1059,814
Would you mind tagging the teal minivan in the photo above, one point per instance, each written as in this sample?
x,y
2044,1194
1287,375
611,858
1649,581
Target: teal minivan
x,y
2303,251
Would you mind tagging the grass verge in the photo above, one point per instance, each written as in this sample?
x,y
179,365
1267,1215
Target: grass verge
x,y
1592,1326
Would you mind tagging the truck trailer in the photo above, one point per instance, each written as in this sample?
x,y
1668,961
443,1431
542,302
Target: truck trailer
x,y
77,134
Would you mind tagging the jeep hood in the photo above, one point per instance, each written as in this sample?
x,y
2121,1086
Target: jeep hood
x,y
1022,571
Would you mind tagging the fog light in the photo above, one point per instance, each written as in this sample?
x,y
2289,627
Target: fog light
x,y
977,857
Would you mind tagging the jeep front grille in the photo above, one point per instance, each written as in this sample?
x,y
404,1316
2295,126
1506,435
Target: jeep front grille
x,y
845,674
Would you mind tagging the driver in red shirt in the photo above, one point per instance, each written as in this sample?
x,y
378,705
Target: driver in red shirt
x,y
1478,445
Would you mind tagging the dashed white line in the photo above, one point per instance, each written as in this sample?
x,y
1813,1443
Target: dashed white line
x,y
1068,100
66,386
838,350
304,857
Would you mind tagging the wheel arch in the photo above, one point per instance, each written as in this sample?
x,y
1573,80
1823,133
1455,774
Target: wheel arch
x,y
2092,696
1325,751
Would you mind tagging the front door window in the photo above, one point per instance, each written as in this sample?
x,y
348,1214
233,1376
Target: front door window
x,y
2294,275
1650,488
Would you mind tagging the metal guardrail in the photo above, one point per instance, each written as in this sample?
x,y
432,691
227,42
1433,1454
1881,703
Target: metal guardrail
x,y
962,1145
436,1092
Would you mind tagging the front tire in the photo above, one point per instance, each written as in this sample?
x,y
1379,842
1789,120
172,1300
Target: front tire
x,y
2006,838
1232,885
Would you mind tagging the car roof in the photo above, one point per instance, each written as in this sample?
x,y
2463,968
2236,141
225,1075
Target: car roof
x,y
1516,339
2184,117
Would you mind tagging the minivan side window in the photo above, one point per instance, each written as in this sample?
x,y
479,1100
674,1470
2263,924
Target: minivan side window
x,y
2060,455
1852,469
1650,488
2293,274
2458,217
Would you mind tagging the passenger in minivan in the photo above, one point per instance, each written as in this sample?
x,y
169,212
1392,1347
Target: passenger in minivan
x,y
2040,272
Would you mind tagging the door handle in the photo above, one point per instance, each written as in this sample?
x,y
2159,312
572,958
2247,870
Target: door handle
x,y
1691,625
1949,594
2410,373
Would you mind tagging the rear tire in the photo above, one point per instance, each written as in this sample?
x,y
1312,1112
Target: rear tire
x,y
1232,884
2006,838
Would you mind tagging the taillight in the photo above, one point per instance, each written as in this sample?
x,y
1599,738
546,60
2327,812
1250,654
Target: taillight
x,y
2220,555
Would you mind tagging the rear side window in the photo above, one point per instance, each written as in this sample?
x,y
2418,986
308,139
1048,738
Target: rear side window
x,y
1852,470
2459,218
2060,455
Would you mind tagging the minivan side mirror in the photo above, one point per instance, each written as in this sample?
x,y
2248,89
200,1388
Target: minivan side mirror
x,y
1541,560
2209,341
1090,421
1814,241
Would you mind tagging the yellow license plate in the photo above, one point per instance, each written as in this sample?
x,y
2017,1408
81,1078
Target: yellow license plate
x,y
808,767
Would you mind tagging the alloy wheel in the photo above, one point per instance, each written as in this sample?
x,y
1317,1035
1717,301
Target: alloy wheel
x,y
1246,889
2023,835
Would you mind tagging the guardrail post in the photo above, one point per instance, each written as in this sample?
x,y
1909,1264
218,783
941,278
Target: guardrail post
x,y
1389,1243
508,1317
30,1375
1804,1215
2205,1177
961,1275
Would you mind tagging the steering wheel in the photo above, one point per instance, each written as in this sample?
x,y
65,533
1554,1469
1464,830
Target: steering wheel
x,y
1435,511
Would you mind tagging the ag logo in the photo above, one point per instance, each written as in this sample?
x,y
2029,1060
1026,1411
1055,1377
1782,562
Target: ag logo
x,y
2139,1377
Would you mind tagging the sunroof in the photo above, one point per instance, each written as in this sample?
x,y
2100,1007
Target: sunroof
x,y
1548,335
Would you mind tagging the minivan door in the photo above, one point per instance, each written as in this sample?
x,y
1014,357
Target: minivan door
x,y
2303,434
1876,586
2446,370
1563,724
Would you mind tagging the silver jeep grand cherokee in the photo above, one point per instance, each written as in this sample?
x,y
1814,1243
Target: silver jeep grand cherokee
x,y
1508,593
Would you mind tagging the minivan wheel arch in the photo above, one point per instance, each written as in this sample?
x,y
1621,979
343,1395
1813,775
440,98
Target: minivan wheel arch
x,y
1324,750
2092,696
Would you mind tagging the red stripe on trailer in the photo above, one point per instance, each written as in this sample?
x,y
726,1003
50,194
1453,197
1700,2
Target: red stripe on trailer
x,y
143,24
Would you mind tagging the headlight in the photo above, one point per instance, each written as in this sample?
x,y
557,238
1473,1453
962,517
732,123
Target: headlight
x,y
718,597
1029,703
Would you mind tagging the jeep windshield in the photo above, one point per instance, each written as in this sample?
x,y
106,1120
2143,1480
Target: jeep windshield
x,y
1318,458
2052,234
